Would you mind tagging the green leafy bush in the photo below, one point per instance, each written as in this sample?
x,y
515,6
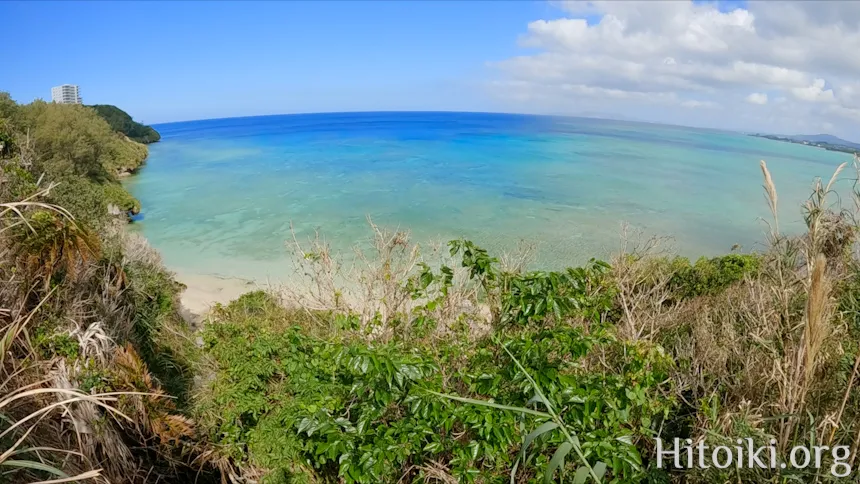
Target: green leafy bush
x,y
535,296
710,276
116,195
51,344
355,411
72,139
516,298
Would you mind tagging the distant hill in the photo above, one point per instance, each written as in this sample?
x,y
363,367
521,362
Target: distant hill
x,y
824,138
826,141
121,122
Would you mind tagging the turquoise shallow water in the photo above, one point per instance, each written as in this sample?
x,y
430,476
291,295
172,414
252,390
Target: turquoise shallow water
x,y
218,195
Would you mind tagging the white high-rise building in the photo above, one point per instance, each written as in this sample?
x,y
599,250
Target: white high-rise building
x,y
66,94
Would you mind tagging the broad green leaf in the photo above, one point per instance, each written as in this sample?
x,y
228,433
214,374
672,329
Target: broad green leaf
x,y
627,439
581,475
538,398
600,470
546,427
433,447
342,422
305,424
426,279
557,461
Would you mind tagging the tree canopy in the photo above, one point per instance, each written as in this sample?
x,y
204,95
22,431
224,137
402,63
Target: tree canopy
x,y
73,147
122,122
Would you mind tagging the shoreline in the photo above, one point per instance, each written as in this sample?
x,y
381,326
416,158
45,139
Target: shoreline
x,y
204,291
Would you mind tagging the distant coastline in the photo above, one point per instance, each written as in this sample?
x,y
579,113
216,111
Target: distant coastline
x,y
818,144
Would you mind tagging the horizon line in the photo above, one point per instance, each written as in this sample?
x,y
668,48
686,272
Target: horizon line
x,y
577,116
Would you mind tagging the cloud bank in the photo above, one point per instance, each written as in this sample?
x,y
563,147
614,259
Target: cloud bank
x,y
768,66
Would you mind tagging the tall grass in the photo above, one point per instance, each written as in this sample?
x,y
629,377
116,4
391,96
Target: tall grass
x,y
93,411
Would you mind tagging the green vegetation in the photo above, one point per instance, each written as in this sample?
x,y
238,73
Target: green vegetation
x,y
72,149
90,333
710,276
121,122
413,366
284,400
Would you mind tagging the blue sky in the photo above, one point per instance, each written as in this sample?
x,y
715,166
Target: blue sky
x,y
767,66
167,61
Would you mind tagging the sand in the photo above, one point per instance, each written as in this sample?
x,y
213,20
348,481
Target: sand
x,y
204,291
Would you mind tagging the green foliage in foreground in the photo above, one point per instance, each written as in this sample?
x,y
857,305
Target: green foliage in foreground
x,y
121,122
535,296
292,401
362,412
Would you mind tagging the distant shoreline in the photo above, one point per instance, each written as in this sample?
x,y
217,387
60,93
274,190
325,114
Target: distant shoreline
x,y
816,144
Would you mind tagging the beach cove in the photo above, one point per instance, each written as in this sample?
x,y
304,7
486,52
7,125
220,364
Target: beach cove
x,y
225,193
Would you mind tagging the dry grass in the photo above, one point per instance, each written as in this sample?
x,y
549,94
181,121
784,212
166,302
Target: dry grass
x,y
130,433
372,283
642,285
518,260
771,198
30,407
134,246
764,352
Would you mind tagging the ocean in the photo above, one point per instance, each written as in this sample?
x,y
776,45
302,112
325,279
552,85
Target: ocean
x,y
219,196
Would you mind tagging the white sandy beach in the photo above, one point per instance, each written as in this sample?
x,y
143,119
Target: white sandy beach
x,y
204,291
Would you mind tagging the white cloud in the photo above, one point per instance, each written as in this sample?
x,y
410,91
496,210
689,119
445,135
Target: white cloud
x,y
814,92
693,103
849,95
693,55
757,98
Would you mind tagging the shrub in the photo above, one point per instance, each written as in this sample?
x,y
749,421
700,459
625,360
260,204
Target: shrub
x,y
535,296
71,146
361,412
522,298
710,276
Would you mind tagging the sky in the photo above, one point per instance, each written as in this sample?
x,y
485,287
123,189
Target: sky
x,y
769,66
